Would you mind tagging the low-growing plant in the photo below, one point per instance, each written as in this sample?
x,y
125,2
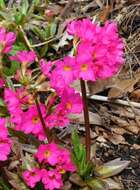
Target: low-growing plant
x,y
37,97
92,174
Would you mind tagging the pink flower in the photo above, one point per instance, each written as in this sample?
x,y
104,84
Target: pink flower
x,y
58,118
3,129
5,148
26,121
65,68
65,74
32,177
24,97
24,57
57,160
14,106
55,156
58,83
31,123
6,40
85,69
11,99
65,162
48,153
100,50
52,179
71,101
84,61
5,142
46,67
73,27
84,29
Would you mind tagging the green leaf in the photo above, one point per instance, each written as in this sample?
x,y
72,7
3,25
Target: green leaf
x,y
10,83
3,111
20,135
40,33
18,47
25,6
2,4
53,28
47,31
44,50
111,168
79,156
12,70
4,185
75,142
97,184
36,2
2,104
18,18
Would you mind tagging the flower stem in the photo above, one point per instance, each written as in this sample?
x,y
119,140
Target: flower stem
x,y
46,130
86,118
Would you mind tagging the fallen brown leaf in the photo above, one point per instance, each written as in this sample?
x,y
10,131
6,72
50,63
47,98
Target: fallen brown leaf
x,y
79,118
132,127
119,131
135,95
115,138
76,179
67,186
121,86
99,85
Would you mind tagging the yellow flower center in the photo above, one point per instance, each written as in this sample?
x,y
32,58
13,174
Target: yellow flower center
x,y
67,68
94,56
33,174
35,120
84,67
62,171
68,105
47,153
30,100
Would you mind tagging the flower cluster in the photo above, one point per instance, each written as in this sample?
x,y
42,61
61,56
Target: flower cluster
x,y
98,54
5,142
57,162
23,112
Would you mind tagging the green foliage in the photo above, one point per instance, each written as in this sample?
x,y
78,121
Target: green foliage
x,y
20,15
27,19
79,156
91,176
39,186
97,184
25,6
2,4
2,104
4,185
18,47
11,69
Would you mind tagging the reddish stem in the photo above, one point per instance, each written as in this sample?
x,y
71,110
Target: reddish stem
x,y
47,131
86,118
